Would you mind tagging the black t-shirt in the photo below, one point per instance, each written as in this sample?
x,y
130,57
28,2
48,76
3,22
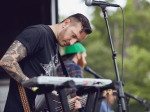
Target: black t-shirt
x,y
42,58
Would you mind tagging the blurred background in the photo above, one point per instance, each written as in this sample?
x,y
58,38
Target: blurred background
x,y
18,14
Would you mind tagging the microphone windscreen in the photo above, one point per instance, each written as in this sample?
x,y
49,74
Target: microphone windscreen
x,y
88,2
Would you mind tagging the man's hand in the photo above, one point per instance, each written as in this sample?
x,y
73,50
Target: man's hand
x,y
77,103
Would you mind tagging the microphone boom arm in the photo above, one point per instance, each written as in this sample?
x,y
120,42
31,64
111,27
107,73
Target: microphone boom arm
x,y
96,75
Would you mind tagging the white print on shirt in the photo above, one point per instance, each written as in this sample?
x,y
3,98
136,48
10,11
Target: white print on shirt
x,y
50,69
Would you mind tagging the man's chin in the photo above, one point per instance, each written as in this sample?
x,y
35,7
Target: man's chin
x,y
62,45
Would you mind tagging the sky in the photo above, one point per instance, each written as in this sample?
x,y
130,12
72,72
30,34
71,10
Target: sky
x,y
69,7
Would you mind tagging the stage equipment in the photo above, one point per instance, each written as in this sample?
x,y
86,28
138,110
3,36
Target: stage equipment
x,y
91,87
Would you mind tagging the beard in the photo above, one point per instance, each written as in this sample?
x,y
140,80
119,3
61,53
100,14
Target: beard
x,y
81,63
61,37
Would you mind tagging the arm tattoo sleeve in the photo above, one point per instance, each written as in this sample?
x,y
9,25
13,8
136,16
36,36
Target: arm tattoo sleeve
x,y
16,52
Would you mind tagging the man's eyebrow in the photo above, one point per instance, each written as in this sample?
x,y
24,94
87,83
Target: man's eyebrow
x,y
80,33
74,34
76,37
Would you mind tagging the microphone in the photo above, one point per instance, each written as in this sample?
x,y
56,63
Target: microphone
x,y
99,3
88,69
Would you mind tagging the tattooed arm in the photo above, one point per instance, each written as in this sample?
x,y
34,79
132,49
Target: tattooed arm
x,y
9,62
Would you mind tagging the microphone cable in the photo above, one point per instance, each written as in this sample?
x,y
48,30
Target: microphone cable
x,y
122,44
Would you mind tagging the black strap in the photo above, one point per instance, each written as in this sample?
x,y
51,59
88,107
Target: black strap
x,y
62,65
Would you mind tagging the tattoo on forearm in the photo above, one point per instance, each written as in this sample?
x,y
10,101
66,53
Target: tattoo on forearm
x,y
8,59
19,78
7,67
19,71
15,72
16,65
15,53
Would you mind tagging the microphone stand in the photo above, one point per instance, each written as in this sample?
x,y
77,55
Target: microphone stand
x,y
121,102
96,75
143,102
148,109
127,102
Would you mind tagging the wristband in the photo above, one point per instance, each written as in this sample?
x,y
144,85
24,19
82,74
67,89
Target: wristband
x,y
34,89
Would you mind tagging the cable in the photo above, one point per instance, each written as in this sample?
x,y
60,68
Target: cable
x,y
122,43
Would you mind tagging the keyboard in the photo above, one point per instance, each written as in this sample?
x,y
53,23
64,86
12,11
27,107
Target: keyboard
x,y
57,81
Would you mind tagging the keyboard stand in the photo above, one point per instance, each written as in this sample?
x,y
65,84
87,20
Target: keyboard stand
x,y
98,99
94,96
90,99
48,84
63,95
49,101
47,89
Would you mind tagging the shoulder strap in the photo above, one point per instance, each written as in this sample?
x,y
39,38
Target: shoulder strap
x,y
62,65
24,99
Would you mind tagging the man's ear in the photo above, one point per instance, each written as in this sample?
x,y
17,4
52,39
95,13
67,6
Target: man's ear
x,y
66,23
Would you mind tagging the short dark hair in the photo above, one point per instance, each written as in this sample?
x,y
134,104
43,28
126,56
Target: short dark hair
x,y
84,21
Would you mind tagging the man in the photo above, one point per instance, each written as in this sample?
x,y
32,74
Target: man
x,y
110,98
34,52
74,60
